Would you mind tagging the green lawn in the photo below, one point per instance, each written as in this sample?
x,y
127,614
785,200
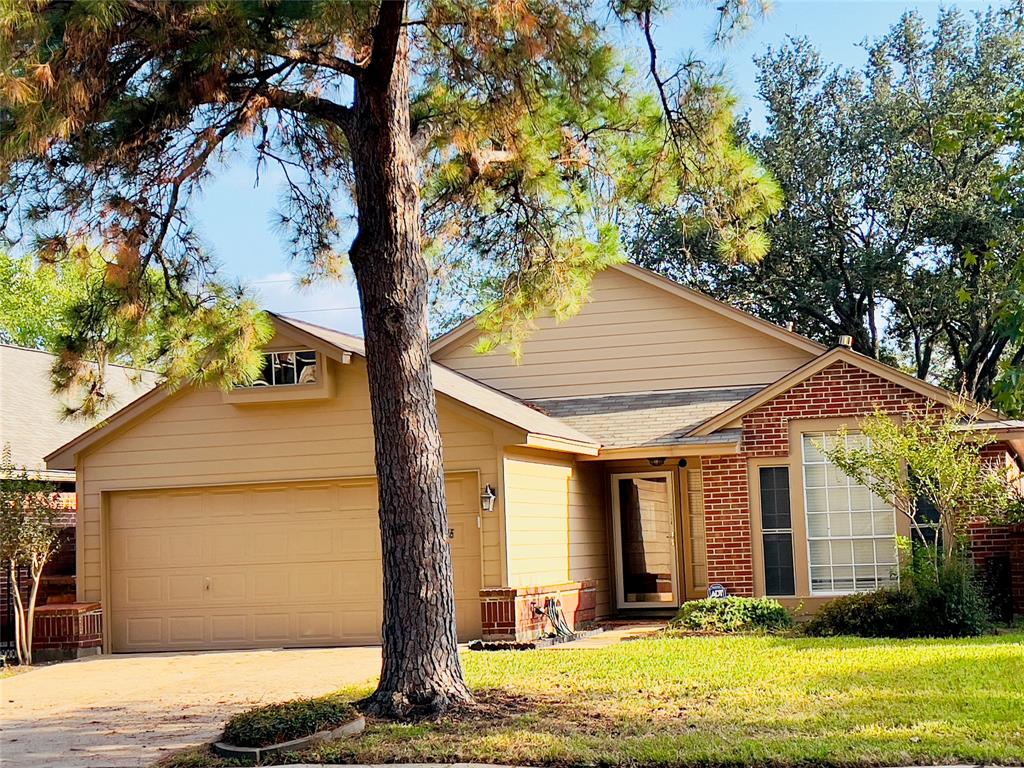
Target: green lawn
x,y
728,701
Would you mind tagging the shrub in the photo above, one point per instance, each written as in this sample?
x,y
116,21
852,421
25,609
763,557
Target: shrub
x,y
733,614
949,602
884,613
274,723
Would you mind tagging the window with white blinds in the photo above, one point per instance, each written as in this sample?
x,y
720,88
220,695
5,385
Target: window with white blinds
x,y
851,532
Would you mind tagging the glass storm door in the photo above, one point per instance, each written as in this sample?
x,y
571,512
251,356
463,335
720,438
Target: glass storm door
x,y
643,522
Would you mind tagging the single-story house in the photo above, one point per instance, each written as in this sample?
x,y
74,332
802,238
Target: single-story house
x,y
32,424
656,444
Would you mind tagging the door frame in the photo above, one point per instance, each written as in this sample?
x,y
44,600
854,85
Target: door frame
x,y
670,489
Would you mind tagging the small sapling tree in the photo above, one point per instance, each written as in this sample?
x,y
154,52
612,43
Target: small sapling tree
x,y
30,510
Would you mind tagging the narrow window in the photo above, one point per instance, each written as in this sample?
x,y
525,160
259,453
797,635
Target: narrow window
x,y
777,531
698,534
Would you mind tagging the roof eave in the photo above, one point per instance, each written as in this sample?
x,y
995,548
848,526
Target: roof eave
x,y
678,450
561,444
820,363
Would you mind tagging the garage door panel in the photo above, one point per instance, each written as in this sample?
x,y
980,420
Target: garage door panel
x,y
316,625
322,498
178,509
276,565
312,543
186,630
142,632
229,628
272,627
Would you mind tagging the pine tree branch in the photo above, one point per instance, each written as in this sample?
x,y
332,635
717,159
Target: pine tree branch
x,y
323,60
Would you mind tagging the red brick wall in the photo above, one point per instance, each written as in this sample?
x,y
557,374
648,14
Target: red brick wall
x,y
727,523
1002,541
68,628
508,612
839,390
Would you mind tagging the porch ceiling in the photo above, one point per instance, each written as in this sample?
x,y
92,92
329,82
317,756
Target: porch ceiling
x,y
646,419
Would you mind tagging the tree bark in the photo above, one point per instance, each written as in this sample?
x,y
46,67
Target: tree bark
x,y
421,674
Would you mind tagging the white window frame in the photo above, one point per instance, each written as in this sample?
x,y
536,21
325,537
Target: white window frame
x,y
271,353
822,435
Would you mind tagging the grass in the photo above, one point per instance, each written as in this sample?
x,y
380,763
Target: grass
x,y
720,701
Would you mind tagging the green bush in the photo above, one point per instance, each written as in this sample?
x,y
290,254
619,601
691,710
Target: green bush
x,y
884,613
948,603
274,723
733,614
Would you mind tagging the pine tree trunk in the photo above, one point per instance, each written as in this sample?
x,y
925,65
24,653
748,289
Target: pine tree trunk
x,y
421,673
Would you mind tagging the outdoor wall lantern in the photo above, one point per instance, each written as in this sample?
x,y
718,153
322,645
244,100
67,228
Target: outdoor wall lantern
x,y
487,498
656,461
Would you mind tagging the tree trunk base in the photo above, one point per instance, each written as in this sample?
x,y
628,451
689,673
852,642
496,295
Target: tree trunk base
x,y
419,705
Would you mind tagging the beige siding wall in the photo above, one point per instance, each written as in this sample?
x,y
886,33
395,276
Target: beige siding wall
x,y
630,337
556,531
196,439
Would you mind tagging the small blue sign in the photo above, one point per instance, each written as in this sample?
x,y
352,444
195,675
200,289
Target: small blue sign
x,y
717,591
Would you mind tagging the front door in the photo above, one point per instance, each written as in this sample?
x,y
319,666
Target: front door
x,y
644,526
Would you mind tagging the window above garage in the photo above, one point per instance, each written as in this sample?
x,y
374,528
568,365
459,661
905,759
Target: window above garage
x,y
286,368
287,374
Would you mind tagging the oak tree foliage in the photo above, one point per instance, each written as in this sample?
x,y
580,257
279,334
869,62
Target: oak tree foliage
x,y
903,222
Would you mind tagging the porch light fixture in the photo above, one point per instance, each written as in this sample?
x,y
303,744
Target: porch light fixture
x,y
656,461
487,498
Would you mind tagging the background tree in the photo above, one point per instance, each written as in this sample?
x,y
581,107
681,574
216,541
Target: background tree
x,y
903,224
30,511
506,132
34,302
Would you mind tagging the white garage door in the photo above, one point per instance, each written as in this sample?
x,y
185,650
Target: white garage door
x,y
287,564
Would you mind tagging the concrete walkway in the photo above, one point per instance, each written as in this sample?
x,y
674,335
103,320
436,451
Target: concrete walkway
x,y
129,711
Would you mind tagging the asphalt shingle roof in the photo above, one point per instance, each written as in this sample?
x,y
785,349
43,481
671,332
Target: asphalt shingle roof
x,y
647,418
32,417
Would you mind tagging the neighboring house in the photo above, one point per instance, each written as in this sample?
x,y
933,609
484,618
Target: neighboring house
x,y
655,444
32,424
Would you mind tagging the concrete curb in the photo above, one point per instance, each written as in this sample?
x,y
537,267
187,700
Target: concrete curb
x,y
258,754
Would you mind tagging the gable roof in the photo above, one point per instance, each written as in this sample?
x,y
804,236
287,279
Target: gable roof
x,y
542,430
464,329
642,419
32,417
820,363
459,387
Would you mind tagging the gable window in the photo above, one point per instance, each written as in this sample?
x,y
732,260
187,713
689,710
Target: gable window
x,y
776,531
289,367
851,532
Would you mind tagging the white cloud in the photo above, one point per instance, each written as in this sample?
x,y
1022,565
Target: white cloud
x,y
332,304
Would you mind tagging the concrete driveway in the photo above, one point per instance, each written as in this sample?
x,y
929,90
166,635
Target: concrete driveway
x,y
127,711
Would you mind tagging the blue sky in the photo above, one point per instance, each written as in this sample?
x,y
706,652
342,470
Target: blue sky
x,y
236,218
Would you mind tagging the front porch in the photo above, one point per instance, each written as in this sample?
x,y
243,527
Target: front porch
x,y
651,555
